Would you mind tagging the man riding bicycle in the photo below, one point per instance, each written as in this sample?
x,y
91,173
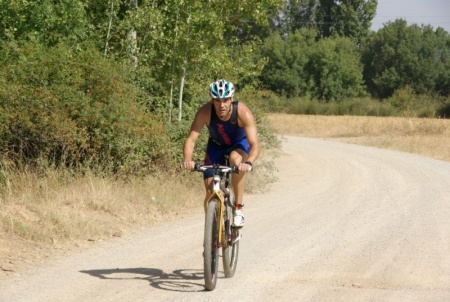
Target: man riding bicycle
x,y
232,130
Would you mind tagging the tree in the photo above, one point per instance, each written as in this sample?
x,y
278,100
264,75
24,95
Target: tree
x,y
334,70
399,55
329,69
207,41
295,14
348,18
48,20
284,72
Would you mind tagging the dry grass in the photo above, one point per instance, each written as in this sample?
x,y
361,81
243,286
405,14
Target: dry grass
x,y
428,137
43,214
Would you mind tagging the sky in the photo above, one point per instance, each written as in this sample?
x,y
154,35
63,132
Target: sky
x,y
427,12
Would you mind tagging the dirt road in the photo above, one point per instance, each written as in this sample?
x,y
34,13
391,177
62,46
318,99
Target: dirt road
x,y
344,223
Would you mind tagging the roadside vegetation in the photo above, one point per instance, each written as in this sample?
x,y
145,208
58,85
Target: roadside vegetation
x,y
93,114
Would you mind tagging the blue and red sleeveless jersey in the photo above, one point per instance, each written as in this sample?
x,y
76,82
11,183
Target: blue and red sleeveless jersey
x,y
225,133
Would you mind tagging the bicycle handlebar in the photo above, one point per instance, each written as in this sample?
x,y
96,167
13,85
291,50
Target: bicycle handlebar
x,y
221,168
224,169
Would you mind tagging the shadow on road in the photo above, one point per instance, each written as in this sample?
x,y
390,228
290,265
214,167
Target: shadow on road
x,y
182,280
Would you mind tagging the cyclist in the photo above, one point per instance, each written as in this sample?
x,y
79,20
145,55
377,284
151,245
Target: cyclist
x,y
232,130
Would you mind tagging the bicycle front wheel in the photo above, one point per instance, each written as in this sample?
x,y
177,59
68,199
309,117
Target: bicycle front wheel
x,y
211,244
230,249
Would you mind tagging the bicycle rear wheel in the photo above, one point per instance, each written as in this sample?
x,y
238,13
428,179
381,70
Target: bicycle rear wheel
x,y
230,249
211,244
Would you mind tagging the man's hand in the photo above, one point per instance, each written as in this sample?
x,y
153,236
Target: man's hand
x,y
189,165
245,167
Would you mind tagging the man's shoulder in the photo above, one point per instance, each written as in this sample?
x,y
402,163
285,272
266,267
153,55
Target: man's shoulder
x,y
205,108
245,115
242,107
204,112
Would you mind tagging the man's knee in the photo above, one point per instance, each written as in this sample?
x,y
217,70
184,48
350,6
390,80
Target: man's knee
x,y
237,156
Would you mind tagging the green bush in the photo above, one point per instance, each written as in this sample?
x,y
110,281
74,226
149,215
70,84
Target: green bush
x,y
444,111
73,108
270,102
409,103
334,71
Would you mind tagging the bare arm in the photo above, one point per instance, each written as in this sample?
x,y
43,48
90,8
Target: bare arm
x,y
201,118
247,121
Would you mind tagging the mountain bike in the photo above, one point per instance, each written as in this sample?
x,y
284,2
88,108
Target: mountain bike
x,y
219,231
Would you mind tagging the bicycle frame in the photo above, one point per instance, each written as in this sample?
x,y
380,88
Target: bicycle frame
x,y
217,191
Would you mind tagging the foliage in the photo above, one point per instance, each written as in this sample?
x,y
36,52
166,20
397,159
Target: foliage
x,y
329,69
403,103
411,104
172,35
209,42
78,105
178,132
284,71
444,111
47,19
73,108
352,106
294,15
334,71
348,18
399,55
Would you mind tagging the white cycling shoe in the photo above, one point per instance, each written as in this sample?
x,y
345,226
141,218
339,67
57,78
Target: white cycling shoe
x,y
238,219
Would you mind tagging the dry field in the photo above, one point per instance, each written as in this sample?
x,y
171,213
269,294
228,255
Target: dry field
x,y
428,137
44,215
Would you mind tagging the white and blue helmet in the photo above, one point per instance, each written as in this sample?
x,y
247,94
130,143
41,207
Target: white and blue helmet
x,y
221,89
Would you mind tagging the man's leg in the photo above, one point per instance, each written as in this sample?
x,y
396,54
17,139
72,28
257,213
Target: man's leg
x,y
237,156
